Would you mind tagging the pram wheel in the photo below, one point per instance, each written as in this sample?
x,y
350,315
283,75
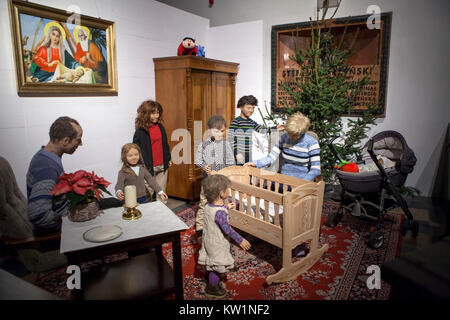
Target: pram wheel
x,y
376,239
333,219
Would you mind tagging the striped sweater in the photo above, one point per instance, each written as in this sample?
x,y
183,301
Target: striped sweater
x,y
44,211
240,136
301,159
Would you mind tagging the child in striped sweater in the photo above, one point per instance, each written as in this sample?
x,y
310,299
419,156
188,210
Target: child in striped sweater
x,y
300,151
242,127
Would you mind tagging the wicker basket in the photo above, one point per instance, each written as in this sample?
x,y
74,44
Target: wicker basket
x,y
84,211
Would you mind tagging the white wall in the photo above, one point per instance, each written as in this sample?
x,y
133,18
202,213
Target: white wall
x,y
144,30
418,95
241,43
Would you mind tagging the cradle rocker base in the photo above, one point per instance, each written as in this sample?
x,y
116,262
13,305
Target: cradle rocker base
x,y
295,269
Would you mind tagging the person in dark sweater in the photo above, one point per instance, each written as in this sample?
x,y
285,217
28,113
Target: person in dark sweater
x,y
151,137
45,211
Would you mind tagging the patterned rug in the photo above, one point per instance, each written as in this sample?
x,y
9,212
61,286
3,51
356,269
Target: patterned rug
x,y
341,273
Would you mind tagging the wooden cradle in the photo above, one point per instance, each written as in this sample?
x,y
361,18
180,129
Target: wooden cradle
x,y
298,223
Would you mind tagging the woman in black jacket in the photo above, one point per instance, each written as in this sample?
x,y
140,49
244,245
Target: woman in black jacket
x,y
151,137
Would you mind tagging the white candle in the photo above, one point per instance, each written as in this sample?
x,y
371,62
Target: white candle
x,y
130,196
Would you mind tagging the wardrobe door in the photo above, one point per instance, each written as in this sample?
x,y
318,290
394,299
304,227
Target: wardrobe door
x,y
223,95
200,106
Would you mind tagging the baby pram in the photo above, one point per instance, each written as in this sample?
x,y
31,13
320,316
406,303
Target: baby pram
x,y
371,194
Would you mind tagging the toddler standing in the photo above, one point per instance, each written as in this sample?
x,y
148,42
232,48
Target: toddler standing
x,y
215,251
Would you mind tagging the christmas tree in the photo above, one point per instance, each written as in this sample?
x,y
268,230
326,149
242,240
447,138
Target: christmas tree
x,y
324,93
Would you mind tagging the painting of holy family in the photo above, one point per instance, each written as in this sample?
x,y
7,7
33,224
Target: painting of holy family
x,y
62,53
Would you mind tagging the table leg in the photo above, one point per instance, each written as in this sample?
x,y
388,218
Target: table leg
x,y
177,270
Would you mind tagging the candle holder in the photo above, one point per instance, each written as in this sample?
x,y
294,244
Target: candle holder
x,y
131,214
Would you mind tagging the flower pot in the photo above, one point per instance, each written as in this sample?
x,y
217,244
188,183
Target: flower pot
x,y
84,211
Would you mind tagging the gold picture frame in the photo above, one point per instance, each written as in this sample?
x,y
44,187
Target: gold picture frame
x,y
59,53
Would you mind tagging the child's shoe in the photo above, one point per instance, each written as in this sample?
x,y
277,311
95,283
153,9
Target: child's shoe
x,y
223,278
217,292
301,251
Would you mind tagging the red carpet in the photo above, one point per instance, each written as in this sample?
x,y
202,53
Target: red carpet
x,y
339,275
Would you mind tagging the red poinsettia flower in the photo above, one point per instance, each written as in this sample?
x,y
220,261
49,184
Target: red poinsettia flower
x,y
97,193
102,182
61,188
66,176
78,175
81,186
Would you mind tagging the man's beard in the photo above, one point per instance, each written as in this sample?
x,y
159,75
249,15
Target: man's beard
x,y
84,45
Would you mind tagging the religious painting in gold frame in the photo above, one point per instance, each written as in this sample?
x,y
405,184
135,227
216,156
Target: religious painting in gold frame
x,y
59,53
371,56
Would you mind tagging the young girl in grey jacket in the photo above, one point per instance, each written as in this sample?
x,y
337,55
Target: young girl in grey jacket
x,y
134,172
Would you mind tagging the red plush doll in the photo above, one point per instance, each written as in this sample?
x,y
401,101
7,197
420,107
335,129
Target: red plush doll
x,y
347,166
187,47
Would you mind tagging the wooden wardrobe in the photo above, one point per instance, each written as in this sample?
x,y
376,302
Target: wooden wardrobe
x,y
190,90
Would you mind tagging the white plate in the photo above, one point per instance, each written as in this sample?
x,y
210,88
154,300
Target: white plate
x,y
103,233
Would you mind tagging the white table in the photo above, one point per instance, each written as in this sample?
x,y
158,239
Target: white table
x,y
157,225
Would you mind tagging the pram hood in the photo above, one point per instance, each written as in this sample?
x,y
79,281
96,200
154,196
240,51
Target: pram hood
x,y
392,145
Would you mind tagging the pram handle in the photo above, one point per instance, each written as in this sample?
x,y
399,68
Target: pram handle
x,y
333,149
385,176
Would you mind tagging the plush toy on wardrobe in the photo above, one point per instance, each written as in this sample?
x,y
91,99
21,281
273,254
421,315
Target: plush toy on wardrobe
x,y
187,47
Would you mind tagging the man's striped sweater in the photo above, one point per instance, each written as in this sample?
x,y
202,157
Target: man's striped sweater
x,y
240,136
301,159
44,211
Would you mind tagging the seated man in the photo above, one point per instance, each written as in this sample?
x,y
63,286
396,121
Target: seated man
x,y
45,167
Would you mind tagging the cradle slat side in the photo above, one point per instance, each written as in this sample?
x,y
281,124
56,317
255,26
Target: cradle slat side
x,y
318,215
306,190
303,214
233,196
249,205
261,182
288,215
258,209
257,192
256,227
241,202
281,178
266,212
235,173
277,214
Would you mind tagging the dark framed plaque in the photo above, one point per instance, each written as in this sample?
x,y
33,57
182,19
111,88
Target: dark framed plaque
x,y
371,58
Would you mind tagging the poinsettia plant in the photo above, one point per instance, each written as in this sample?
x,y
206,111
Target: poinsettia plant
x,y
81,187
